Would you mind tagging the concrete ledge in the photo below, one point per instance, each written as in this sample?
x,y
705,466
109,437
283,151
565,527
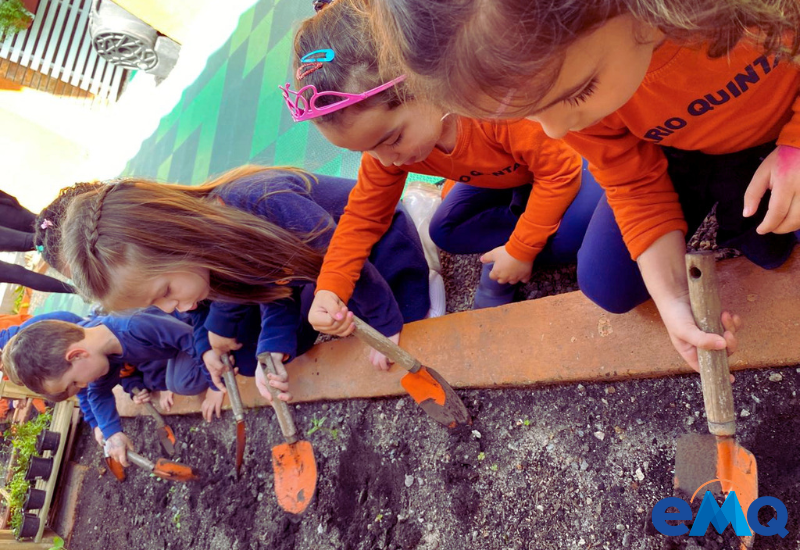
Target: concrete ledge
x,y
557,339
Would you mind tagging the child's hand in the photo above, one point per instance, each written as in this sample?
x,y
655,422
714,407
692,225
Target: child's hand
x,y
686,336
507,269
329,314
280,381
117,447
215,368
166,400
98,436
212,404
779,172
142,397
221,344
379,360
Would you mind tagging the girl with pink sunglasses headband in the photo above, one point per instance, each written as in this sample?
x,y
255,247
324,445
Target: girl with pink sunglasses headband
x,y
519,197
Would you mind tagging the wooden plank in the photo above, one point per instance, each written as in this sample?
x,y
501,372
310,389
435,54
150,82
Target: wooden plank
x,y
558,339
62,419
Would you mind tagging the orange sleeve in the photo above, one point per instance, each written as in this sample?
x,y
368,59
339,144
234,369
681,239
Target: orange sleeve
x,y
367,216
634,174
790,134
556,172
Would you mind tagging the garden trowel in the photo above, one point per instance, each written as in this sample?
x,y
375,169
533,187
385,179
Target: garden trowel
x,y
238,410
431,392
163,468
714,462
293,462
165,434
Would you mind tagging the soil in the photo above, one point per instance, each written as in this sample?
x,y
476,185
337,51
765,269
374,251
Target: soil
x,y
545,468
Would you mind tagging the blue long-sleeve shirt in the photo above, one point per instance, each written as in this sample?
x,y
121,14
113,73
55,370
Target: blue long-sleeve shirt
x,y
283,198
148,338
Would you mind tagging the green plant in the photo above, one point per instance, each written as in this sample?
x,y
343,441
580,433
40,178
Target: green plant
x,y
13,18
176,520
58,543
317,424
19,292
23,439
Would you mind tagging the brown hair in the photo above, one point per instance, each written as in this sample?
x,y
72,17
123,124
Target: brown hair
x,y
344,27
38,353
157,228
457,51
49,237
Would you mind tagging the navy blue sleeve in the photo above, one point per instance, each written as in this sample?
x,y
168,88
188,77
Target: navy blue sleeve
x,y
280,321
134,380
86,408
155,336
374,301
101,400
224,317
197,318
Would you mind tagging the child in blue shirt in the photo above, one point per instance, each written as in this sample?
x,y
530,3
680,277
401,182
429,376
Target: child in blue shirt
x,y
59,359
252,237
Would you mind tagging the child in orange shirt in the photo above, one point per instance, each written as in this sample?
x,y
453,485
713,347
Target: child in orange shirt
x,y
519,197
675,108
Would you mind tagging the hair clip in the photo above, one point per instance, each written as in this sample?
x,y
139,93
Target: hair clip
x,y
306,109
46,224
326,58
306,69
319,4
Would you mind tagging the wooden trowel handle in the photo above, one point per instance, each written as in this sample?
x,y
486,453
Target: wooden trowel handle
x,y
152,410
714,371
285,419
372,337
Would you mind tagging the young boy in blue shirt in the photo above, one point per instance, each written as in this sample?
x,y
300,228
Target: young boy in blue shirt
x,y
59,359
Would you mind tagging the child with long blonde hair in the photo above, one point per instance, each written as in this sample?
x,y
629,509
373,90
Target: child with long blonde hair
x,y
253,236
676,104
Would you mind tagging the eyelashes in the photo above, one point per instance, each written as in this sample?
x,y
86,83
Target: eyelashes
x,y
397,141
583,95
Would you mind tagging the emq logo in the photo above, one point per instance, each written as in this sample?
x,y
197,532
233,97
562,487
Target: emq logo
x,y
710,512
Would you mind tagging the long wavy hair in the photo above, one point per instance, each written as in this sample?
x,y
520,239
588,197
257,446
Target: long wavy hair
x,y
459,52
153,228
344,26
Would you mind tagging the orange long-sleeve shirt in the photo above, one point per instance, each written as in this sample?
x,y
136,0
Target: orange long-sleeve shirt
x,y
690,102
497,155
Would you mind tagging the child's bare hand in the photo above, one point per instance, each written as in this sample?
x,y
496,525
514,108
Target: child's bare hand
x,y
212,404
686,336
379,360
780,172
222,344
279,382
215,368
117,447
98,436
166,399
507,269
330,315
141,397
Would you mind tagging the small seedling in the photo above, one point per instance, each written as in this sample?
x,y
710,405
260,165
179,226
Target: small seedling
x,y
176,520
58,543
379,517
526,422
493,467
481,455
194,429
317,424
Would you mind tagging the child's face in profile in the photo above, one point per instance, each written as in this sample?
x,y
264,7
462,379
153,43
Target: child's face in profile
x,y
600,73
87,365
180,290
396,137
